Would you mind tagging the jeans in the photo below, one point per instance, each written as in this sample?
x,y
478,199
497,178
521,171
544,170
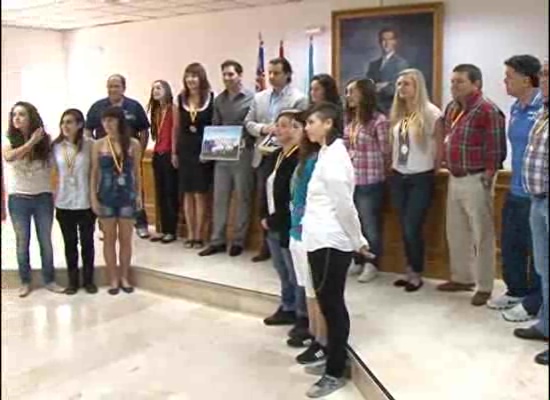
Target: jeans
x,y
166,192
329,268
412,196
516,244
293,297
78,225
369,200
539,230
22,210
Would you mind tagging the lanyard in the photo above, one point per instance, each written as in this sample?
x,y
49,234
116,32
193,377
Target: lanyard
x,y
456,119
119,164
283,155
160,121
70,161
404,129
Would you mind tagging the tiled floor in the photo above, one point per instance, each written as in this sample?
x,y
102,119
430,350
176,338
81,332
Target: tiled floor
x,y
422,346
142,347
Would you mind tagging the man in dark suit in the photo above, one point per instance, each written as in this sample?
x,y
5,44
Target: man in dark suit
x,y
384,70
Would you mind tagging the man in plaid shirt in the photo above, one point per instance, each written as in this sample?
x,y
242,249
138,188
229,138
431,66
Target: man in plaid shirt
x,y
474,147
535,179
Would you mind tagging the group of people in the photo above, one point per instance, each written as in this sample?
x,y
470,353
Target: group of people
x,y
321,190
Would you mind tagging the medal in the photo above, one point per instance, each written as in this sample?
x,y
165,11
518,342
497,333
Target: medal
x,y
193,129
70,160
404,149
72,180
119,164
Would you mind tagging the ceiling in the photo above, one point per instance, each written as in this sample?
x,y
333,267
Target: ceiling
x,y
76,14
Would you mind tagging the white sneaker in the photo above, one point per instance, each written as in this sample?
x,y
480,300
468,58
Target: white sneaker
x,y
503,302
55,288
370,272
355,269
517,314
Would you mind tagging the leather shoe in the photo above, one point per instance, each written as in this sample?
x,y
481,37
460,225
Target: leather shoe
x,y
281,318
235,251
542,358
263,256
530,333
456,287
211,250
480,299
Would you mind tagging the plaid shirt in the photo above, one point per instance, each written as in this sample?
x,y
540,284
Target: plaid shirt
x,y
474,136
370,150
535,160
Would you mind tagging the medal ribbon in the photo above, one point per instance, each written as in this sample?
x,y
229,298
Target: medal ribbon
x,y
160,121
539,127
282,155
119,164
70,161
354,133
404,129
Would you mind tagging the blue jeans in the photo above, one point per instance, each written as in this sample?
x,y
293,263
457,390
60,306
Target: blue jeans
x,y
22,210
293,297
412,196
539,230
516,244
369,200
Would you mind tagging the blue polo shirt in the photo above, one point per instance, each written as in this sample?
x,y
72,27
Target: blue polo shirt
x,y
136,117
522,119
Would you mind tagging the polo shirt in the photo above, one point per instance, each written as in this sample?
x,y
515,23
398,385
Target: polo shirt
x,y
136,117
522,119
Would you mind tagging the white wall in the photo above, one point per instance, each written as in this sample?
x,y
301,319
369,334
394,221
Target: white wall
x,y
34,70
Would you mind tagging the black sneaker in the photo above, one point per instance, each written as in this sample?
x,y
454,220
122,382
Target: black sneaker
x,y
314,354
281,318
299,342
300,328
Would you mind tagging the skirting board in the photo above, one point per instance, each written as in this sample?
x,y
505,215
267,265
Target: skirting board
x,y
214,295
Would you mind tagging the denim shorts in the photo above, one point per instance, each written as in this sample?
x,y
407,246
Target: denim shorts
x,y
124,212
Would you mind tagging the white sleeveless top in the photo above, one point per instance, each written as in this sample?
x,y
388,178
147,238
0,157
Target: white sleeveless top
x,y
28,178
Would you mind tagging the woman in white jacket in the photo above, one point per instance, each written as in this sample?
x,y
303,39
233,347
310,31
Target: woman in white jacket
x,y
331,234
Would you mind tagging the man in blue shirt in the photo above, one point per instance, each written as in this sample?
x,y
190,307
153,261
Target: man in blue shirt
x,y
137,121
522,299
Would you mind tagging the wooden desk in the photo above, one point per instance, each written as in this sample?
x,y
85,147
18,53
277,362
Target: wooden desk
x,y
393,260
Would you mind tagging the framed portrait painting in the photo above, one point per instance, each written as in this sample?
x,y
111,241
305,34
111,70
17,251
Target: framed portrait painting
x,y
379,43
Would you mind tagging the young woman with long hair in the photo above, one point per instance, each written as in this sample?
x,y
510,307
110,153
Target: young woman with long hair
x,y
413,121
316,350
323,88
28,164
275,214
366,138
72,154
194,111
115,191
161,110
331,233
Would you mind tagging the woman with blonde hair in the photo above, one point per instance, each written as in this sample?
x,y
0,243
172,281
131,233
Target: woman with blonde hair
x,y
413,120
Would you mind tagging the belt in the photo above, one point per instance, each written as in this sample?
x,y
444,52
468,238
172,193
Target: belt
x,y
462,174
540,196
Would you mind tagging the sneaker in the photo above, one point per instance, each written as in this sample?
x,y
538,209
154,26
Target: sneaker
x,y
281,318
503,302
300,328
299,342
317,369
315,353
143,233
370,272
54,288
517,314
542,358
71,290
356,269
25,290
325,386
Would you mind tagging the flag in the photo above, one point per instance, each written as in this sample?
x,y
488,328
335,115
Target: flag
x,y
260,69
310,65
281,49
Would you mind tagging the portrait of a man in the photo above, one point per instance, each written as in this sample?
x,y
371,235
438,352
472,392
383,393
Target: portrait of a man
x,y
385,69
379,43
